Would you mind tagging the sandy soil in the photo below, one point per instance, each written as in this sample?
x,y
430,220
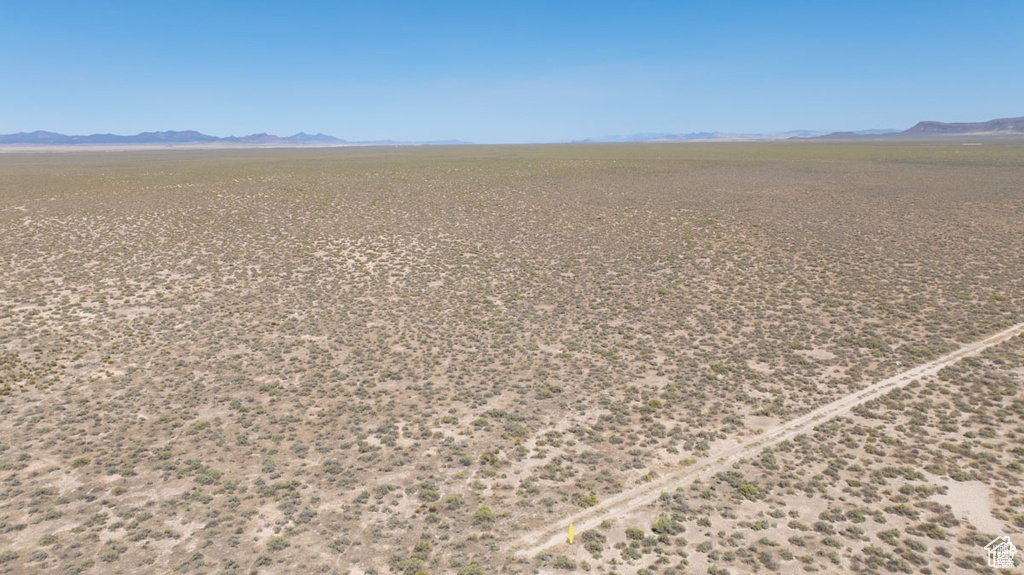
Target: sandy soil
x,y
971,501
555,534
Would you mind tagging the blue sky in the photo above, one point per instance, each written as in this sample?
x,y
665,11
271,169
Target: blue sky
x,y
504,71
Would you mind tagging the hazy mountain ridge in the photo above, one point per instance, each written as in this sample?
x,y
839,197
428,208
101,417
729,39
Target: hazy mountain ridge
x,y
702,136
727,136
995,127
932,129
44,138
925,129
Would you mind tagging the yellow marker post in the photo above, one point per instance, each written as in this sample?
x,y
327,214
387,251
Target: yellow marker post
x,y
570,534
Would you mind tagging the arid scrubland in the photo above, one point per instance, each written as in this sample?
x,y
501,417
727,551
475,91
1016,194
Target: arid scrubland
x,y
400,360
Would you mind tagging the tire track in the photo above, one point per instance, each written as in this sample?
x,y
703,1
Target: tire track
x,y
554,533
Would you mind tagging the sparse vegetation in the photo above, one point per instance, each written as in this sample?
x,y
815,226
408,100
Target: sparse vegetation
x,y
224,361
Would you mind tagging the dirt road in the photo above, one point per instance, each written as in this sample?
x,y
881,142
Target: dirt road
x,y
556,533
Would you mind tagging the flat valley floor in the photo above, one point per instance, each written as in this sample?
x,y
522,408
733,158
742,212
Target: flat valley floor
x,y
416,360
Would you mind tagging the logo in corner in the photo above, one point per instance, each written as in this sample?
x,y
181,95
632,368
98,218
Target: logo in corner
x,y
1001,552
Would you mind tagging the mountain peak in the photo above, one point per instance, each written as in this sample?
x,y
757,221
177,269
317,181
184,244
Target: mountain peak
x,y
932,129
999,126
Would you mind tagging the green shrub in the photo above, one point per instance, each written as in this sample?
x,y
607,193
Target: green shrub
x,y
277,543
564,563
484,517
584,500
631,553
663,525
932,530
593,542
748,490
112,551
798,526
422,549
473,568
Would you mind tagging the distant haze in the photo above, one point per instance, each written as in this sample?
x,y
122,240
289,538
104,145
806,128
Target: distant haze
x,y
189,137
927,129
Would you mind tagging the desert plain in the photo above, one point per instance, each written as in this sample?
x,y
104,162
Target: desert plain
x,y
429,359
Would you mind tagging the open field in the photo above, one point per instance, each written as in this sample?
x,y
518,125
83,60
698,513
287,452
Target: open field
x,y
727,456
410,360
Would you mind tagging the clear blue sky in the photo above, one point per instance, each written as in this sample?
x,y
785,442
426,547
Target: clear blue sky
x,y
504,71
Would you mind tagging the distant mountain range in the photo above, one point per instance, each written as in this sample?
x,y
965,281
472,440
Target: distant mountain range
x,y
721,136
998,127
1001,126
192,137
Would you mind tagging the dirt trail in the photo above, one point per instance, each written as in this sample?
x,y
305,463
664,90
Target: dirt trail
x,y
556,533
